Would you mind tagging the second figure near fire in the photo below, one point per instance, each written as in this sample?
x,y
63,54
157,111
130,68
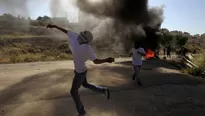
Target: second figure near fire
x,y
137,53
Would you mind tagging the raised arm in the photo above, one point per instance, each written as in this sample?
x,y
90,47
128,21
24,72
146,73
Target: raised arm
x,y
142,52
57,27
131,53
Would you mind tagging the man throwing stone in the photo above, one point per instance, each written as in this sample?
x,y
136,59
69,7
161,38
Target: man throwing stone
x,y
82,51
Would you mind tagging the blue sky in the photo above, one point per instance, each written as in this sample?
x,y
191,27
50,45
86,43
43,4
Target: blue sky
x,y
183,15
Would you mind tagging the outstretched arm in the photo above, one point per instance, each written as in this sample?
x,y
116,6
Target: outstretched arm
x,y
100,61
57,27
92,57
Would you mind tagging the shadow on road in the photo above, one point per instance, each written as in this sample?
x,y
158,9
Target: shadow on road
x,y
53,87
153,63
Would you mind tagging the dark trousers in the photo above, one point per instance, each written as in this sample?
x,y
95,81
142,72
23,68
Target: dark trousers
x,y
78,80
136,71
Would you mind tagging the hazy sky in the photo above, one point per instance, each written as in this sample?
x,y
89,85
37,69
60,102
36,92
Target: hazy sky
x,y
184,15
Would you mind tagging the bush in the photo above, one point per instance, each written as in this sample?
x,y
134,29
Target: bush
x,y
13,51
192,47
199,60
47,58
29,57
63,56
25,58
193,71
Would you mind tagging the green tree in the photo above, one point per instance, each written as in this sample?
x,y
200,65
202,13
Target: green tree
x,y
46,18
202,40
167,39
8,16
39,18
29,18
180,40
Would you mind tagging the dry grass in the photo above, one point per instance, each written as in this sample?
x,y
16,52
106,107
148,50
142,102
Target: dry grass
x,y
199,60
192,47
17,36
33,49
37,57
33,57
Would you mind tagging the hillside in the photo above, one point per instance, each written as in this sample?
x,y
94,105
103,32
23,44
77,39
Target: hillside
x,y
27,40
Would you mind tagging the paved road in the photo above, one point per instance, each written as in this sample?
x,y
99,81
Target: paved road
x,y
42,89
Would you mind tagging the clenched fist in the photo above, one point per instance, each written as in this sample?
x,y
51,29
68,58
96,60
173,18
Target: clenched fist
x,y
110,60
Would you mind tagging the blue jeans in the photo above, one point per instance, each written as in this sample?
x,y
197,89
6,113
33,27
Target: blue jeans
x,y
78,80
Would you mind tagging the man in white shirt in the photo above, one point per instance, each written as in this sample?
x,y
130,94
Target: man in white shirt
x,y
137,53
82,51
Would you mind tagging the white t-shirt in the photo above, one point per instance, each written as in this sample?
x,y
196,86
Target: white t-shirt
x,y
81,53
137,58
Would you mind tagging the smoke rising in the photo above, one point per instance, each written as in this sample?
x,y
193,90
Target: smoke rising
x,y
127,11
125,21
117,22
56,8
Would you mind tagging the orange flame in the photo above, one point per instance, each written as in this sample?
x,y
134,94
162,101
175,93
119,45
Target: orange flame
x,y
149,54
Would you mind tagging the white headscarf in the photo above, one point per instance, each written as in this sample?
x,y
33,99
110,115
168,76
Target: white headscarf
x,y
85,37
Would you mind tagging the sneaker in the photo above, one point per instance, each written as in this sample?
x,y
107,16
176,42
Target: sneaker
x,y
139,82
107,93
133,77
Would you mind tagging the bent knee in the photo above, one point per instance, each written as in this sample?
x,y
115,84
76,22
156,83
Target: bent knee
x,y
85,85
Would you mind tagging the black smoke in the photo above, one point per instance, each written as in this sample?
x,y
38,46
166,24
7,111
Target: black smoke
x,y
132,20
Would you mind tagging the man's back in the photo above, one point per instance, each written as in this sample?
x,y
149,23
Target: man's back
x,y
136,57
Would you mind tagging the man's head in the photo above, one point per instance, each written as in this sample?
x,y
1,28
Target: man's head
x,y
85,37
137,45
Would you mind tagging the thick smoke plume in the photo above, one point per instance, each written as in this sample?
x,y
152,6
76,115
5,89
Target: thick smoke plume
x,y
123,10
127,11
125,21
56,8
